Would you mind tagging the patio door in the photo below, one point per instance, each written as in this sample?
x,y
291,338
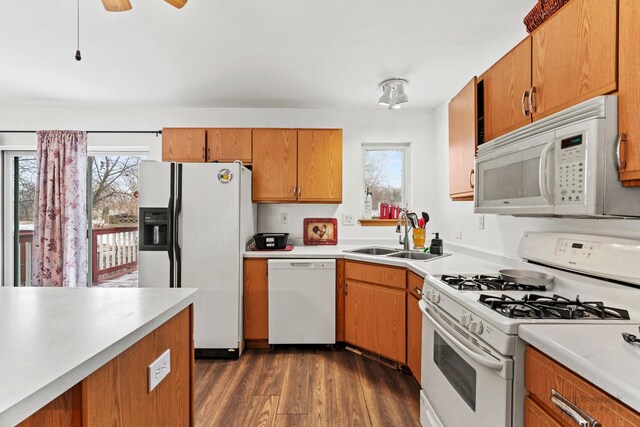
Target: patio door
x,y
112,208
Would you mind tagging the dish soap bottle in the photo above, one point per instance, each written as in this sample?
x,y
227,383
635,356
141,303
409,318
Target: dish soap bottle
x,y
436,245
368,198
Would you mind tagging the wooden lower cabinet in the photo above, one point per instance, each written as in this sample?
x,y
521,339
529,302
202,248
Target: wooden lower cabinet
x,y
414,324
414,336
375,319
535,416
542,375
256,299
117,393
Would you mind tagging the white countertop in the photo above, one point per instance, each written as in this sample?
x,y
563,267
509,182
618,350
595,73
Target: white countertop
x,y
456,262
52,338
595,352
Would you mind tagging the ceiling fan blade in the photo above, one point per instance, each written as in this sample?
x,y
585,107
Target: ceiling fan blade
x,y
177,3
116,5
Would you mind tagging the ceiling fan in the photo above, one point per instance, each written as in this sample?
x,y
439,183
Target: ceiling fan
x,y
124,5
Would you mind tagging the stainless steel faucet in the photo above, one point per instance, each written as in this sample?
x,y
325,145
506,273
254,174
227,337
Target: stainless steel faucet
x,y
404,241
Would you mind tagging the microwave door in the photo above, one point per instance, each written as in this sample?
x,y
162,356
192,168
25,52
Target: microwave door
x,y
517,180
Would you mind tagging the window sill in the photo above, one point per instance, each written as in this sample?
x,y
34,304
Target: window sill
x,y
377,222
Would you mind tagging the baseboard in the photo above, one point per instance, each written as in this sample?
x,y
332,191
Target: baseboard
x,y
216,353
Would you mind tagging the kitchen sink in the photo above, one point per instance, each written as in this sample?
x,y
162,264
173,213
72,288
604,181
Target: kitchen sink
x,y
415,255
373,251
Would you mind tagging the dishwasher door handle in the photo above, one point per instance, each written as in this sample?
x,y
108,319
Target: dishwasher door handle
x,y
305,265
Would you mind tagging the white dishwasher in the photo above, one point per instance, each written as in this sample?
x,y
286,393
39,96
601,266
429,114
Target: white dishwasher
x,y
302,301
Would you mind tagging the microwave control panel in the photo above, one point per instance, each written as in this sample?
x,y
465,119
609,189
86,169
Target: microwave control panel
x,y
570,171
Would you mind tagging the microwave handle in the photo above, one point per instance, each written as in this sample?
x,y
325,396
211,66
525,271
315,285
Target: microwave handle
x,y
542,173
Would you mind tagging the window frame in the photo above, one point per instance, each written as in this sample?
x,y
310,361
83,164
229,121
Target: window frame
x,y
405,147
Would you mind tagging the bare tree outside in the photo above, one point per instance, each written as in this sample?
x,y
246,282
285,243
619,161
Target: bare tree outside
x,y
383,175
114,186
26,176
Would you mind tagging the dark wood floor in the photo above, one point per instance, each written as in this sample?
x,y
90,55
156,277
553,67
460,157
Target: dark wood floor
x,y
303,387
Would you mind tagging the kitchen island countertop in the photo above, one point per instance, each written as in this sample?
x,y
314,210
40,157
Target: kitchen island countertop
x,y
53,338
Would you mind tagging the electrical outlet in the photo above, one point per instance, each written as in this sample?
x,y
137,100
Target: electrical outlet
x,y
348,219
457,235
159,369
481,222
284,218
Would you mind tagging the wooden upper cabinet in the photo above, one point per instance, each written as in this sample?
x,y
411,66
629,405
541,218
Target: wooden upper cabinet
x,y
575,55
184,145
275,165
506,90
463,142
629,93
320,165
229,145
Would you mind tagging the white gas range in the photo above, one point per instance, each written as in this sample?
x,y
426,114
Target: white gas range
x,y
472,359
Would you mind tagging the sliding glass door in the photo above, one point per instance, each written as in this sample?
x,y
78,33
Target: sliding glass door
x,y
112,210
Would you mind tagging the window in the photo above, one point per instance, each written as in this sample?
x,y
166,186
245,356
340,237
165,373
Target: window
x,y
112,208
385,174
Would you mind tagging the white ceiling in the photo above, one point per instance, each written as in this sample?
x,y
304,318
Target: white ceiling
x,y
241,53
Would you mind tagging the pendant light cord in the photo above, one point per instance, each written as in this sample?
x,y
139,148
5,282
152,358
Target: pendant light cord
x,y
78,55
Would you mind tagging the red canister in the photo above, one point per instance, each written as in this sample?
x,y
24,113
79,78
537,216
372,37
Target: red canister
x,y
384,210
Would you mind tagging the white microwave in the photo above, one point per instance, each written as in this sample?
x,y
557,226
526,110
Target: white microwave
x,y
563,165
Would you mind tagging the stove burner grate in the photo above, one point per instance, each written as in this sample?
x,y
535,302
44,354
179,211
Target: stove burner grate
x,y
483,282
534,306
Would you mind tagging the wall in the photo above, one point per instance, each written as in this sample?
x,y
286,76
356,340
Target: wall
x,y
377,125
501,233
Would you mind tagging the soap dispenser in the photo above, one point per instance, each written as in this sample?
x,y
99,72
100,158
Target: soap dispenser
x,y
436,245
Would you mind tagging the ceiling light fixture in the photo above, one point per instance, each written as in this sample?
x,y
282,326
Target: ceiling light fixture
x,y
393,94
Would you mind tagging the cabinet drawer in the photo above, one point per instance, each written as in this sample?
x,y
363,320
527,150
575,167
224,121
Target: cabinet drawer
x,y
543,375
414,281
535,416
377,274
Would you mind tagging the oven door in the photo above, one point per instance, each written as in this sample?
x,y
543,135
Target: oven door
x,y
517,179
464,383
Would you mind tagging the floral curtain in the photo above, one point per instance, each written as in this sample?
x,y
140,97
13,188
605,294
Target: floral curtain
x,y
59,250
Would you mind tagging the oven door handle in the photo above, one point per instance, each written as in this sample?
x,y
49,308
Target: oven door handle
x,y
486,362
542,173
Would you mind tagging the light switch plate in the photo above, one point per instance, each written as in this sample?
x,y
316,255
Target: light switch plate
x,y
159,369
457,234
284,218
481,222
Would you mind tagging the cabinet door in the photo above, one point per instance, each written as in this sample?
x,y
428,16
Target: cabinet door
x,y
275,159
228,145
629,93
320,165
506,88
574,55
255,296
414,335
535,416
375,319
183,145
463,137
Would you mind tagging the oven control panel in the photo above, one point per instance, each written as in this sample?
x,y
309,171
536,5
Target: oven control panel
x,y
578,250
570,171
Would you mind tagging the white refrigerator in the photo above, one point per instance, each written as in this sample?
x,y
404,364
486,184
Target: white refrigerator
x,y
195,222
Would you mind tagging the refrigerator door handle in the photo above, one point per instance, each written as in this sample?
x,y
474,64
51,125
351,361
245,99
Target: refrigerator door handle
x,y
170,249
177,232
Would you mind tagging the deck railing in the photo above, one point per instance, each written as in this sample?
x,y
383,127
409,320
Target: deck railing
x,y
114,252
